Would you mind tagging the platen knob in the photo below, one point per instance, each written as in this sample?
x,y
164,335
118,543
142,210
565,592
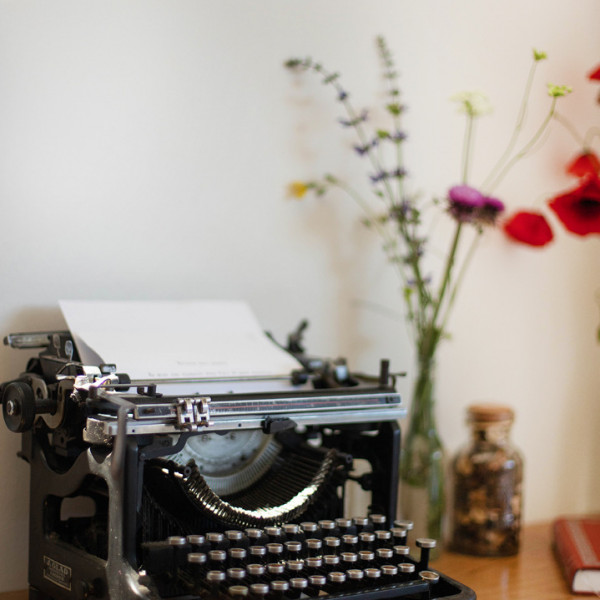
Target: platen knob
x,y
18,406
22,402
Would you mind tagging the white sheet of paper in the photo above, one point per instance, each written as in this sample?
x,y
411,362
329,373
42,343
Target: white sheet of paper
x,y
175,339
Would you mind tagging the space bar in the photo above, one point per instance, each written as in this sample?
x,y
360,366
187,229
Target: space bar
x,y
389,591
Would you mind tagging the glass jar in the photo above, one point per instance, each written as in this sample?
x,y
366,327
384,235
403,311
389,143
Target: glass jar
x,y
487,482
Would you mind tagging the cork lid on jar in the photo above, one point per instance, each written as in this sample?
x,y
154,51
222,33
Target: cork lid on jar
x,y
490,413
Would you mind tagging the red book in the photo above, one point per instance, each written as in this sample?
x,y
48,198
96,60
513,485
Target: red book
x,y
577,547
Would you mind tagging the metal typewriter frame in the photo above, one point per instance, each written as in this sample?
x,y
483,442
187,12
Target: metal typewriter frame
x,y
87,423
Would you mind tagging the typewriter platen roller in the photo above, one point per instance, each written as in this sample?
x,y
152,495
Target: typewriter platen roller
x,y
170,489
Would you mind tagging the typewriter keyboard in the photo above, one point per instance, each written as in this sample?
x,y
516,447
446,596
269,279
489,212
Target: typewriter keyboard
x,y
342,557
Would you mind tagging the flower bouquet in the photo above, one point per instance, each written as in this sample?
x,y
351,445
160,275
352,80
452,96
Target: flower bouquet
x,y
399,217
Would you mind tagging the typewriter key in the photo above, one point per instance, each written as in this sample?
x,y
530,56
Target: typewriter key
x,y
332,544
429,576
217,541
236,574
345,526
361,524
316,585
331,561
366,558
378,520
383,538
384,556
314,547
258,591
366,540
275,569
405,571
335,582
400,553
399,534
297,586
237,557
328,528
389,574
373,576
426,545
256,537
198,543
275,535
237,539
258,554
215,581
313,565
217,560
256,573
238,591
197,565
309,528
274,552
293,532
349,560
354,576
293,550
278,590
349,543
181,548
404,524
294,568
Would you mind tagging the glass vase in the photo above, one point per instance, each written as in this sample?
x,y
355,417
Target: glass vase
x,y
422,490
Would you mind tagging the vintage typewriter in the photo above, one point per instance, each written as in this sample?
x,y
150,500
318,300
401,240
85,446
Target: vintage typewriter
x,y
140,490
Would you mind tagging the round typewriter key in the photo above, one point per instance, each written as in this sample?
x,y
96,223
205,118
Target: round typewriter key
x,y
429,576
238,591
400,552
372,573
309,528
259,590
314,547
279,587
406,571
316,585
293,550
332,544
217,559
361,523
349,543
255,572
404,524
426,545
292,531
331,560
294,567
313,565
345,526
384,555
237,557
349,559
214,581
355,574
383,537
297,586
274,552
379,520
327,527
256,537
176,540
366,540
275,534
236,573
275,568
389,573
217,541
237,538
399,535
258,553
366,558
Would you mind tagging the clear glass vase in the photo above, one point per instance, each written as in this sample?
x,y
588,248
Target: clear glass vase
x,y
422,490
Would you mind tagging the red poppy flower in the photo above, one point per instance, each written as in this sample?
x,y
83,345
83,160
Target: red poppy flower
x,y
595,75
579,209
529,228
586,163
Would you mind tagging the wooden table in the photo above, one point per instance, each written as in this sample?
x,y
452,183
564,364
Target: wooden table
x,y
531,575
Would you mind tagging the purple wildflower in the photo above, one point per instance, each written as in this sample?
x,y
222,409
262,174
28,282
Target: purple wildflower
x,y
342,95
398,136
464,203
491,209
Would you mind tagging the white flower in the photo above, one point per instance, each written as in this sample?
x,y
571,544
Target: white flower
x,y
474,104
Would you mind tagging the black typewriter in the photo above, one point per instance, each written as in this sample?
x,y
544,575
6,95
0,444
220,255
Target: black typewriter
x,y
145,490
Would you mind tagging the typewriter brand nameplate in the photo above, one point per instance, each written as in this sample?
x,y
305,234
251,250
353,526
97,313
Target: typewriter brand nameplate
x,y
57,573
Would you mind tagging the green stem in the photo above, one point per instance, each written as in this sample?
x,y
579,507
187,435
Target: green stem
x,y
518,126
526,148
467,146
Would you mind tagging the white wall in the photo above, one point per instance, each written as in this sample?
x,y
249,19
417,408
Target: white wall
x,y
145,148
